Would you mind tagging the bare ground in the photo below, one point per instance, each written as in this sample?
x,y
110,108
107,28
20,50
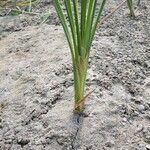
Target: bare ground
x,y
36,84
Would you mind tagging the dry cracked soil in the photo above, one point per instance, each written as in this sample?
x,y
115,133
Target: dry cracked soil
x,y
36,84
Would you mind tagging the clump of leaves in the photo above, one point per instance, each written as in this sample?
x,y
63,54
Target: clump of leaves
x,y
79,27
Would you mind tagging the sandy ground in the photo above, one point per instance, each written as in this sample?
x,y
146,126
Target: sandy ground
x,y
36,84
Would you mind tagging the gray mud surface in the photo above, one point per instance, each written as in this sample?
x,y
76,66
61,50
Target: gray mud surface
x,y
36,84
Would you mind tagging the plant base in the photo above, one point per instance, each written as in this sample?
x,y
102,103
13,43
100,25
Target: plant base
x,y
79,108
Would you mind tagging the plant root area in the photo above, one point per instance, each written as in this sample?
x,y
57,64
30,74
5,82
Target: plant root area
x,y
36,83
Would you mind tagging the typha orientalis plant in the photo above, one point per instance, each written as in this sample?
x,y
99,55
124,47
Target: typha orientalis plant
x,y
79,22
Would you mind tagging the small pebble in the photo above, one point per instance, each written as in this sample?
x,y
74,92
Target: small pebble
x,y
124,119
141,108
147,116
148,147
139,128
109,144
147,106
147,64
136,100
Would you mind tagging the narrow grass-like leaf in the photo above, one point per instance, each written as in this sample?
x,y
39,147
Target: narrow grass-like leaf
x,y
89,24
130,5
76,16
65,26
68,6
95,24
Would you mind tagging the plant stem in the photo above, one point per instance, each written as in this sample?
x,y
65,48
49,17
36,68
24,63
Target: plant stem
x,y
80,72
130,5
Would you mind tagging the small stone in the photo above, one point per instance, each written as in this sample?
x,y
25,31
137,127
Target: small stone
x,y
139,128
17,129
136,100
133,99
108,148
110,93
38,127
22,141
141,146
141,108
146,106
147,116
147,64
109,144
124,119
148,147
130,121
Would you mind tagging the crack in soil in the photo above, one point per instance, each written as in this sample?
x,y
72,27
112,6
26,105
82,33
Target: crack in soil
x,y
78,120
